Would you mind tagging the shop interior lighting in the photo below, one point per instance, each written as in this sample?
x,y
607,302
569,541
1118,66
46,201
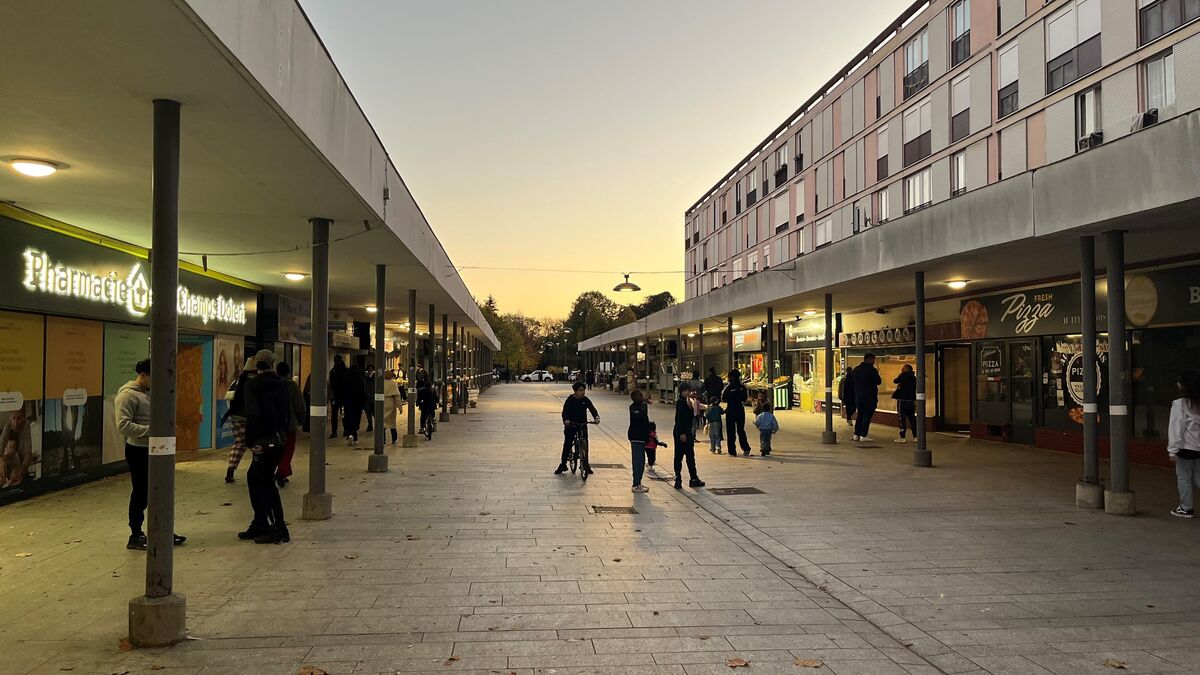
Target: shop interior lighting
x,y
295,276
34,168
957,284
810,312
371,309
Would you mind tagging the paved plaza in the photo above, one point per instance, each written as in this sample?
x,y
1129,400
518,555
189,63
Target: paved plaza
x,y
470,556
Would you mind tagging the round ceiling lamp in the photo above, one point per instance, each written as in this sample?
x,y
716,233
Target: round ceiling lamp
x,y
34,168
627,286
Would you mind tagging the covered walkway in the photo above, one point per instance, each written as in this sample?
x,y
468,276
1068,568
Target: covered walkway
x,y
468,555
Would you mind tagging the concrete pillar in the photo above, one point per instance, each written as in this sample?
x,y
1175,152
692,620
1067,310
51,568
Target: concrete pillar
x,y
431,356
410,436
1089,492
922,456
700,359
318,504
679,357
729,341
770,331
444,416
158,618
377,461
454,369
1118,498
829,436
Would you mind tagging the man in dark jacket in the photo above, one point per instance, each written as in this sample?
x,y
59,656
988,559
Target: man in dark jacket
x,y
846,395
906,401
427,402
639,433
574,416
685,439
713,385
267,416
866,395
735,396
337,393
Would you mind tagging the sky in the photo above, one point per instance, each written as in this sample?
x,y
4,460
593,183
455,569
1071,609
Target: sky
x,y
573,134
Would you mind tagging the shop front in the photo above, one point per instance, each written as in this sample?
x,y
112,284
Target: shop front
x,y
1027,361
803,362
73,322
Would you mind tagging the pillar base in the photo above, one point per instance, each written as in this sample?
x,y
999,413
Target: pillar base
x,y
1119,503
829,437
923,458
157,622
1089,495
317,506
377,463
454,411
410,441
444,416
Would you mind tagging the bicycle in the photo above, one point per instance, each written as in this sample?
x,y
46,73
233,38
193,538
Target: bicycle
x,y
579,450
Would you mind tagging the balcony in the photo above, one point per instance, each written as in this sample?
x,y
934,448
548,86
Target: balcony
x,y
1072,65
751,198
1161,17
916,80
781,175
960,49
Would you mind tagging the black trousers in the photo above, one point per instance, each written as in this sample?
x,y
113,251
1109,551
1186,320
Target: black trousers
x,y
735,428
138,459
685,451
335,411
353,418
866,410
907,411
569,433
369,409
260,481
427,419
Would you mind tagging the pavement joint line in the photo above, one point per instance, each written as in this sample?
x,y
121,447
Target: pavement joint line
x,y
807,570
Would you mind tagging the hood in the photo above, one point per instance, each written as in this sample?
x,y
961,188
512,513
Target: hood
x,y
133,385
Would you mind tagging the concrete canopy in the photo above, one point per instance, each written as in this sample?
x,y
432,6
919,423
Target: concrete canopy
x,y
1020,231
271,136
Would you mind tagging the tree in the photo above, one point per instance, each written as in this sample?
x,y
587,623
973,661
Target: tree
x,y
653,303
591,314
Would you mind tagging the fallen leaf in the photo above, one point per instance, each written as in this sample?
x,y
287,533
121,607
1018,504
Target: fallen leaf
x,y
1067,522
352,556
737,663
157,667
311,670
656,612
227,504
705,637
450,661
616,560
1116,664
493,627
125,645
204,513
809,663
23,555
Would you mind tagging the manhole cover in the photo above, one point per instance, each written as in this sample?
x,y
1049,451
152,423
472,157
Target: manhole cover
x,y
736,491
607,466
614,509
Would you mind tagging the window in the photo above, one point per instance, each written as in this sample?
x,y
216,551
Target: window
x,y
881,153
1159,17
960,45
917,140
1072,43
738,208
781,165
918,191
960,108
783,251
799,153
766,176
958,173
885,212
1007,95
725,208
800,196
752,263
1087,115
1160,82
783,217
752,187
916,64
737,237
824,233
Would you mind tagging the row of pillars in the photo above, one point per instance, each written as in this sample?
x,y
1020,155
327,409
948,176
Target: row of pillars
x,y
158,617
1117,498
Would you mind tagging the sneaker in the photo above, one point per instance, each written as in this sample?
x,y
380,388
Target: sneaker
x,y
865,439
561,469
273,536
1180,512
678,484
229,476
137,542
745,453
349,442
253,532
900,440
179,539
854,438
640,488
695,482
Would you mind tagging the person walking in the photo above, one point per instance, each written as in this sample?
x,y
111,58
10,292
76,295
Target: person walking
x,y
906,401
767,425
735,396
685,439
295,414
236,415
846,396
714,413
590,378
713,384
353,400
391,403
369,396
638,434
267,417
1183,441
337,392
866,395
133,422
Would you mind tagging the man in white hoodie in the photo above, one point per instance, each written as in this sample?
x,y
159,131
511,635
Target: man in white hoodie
x,y
133,421
1183,440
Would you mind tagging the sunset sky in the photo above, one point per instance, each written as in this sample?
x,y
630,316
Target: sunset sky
x,y
573,134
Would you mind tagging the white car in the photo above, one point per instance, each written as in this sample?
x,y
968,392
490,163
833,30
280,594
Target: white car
x,y
538,376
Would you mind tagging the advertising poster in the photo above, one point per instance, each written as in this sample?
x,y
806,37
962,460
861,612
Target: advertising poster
x,y
21,343
227,365
73,423
124,346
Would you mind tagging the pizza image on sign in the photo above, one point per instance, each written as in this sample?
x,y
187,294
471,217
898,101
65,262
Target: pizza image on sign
x,y
973,320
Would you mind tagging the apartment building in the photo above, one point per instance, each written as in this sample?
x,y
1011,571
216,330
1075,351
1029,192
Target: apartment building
x,y
953,96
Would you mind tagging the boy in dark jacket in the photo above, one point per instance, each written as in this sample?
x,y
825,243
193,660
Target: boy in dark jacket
x,y
685,440
267,415
639,438
906,401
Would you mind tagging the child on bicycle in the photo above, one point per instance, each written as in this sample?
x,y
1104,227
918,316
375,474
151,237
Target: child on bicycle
x,y
575,417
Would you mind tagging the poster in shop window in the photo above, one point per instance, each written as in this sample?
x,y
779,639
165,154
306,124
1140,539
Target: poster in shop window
x,y
21,350
124,346
73,424
227,366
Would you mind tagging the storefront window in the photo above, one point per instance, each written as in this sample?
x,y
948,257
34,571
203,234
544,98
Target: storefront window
x,y
889,362
990,384
1157,356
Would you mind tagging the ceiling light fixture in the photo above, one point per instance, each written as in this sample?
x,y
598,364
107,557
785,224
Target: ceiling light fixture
x,y
371,309
957,284
810,312
295,276
34,168
626,286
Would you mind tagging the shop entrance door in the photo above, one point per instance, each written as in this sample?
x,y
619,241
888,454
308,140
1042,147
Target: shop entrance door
x,y
1022,385
955,387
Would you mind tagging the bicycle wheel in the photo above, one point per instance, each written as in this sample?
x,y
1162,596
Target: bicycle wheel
x,y
573,460
584,463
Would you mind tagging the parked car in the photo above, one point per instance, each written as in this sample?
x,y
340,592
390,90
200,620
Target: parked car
x,y
574,376
538,376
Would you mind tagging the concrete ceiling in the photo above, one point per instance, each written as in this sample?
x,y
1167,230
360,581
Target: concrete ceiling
x,y
79,84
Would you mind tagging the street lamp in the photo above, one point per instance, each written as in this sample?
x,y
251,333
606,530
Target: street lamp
x,y
627,286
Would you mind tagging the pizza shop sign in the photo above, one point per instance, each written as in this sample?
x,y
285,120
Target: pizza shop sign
x,y
129,290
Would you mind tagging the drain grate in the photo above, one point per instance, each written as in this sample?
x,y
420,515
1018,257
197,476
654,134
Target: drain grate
x,y
607,466
869,447
629,510
736,491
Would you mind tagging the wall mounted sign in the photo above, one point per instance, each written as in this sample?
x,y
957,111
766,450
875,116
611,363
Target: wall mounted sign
x,y
45,271
803,335
748,340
